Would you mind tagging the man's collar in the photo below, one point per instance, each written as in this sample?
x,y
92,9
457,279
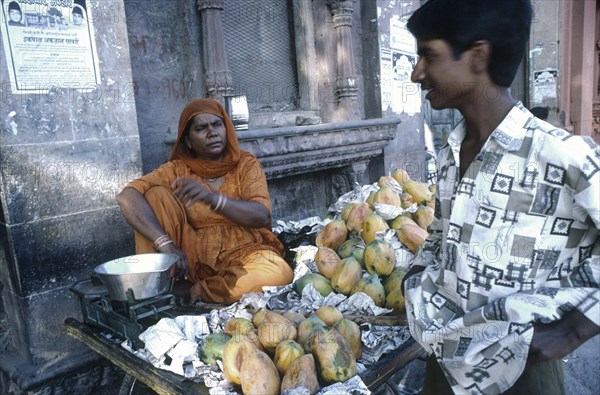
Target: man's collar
x,y
509,134
511,131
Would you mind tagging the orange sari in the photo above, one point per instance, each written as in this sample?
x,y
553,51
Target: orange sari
x,y
225,260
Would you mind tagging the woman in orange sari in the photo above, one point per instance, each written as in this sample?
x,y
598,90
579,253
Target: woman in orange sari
x,y
210,206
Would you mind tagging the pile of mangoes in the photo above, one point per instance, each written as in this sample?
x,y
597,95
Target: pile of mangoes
x,y
351,259
276,352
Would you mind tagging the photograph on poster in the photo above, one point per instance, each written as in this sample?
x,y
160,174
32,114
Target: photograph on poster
x,y
49,43
403,64
544,85
406,94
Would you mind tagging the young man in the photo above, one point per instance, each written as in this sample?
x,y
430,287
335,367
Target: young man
x,y
507,283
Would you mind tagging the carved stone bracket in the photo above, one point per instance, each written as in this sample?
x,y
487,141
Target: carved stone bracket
x,y
305,149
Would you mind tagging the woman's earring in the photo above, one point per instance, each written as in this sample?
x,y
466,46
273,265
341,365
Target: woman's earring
x,y
188,145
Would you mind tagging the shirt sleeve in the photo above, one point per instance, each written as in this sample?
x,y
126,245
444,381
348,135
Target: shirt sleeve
x,y
586,207
253,183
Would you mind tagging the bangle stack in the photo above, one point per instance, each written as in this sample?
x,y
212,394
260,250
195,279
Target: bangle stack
x,y
161,242
221,203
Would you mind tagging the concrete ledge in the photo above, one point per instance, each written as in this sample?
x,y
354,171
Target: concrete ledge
x,y
304,149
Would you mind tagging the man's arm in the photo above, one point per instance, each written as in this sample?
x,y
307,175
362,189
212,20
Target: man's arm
x,y
557,339
428,253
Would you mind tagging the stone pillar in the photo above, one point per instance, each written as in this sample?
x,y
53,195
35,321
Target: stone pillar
x,y
306,58
217,75
347,91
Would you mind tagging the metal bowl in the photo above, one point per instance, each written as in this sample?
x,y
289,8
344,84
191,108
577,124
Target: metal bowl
x,y
147,275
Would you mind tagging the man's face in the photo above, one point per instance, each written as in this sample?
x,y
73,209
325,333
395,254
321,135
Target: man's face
x,y
449,81
15,15
77,19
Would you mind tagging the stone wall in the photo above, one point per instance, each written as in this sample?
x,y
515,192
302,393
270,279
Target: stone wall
x,y
64,153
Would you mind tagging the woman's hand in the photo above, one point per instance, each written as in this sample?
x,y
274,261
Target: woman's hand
x,y
180,268
245,213
188,190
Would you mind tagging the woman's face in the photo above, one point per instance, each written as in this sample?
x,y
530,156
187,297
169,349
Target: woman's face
x,y
207,136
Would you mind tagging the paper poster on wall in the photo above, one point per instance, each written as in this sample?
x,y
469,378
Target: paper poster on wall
x,y
544,86
400,38
49,43
406,94
387,75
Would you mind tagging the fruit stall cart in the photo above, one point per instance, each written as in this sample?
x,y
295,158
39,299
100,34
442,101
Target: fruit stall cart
x,y
165,382
357,261
107,322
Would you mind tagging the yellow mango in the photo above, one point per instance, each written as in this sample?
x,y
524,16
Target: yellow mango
x,y
369,199
294,316
321,284
306,329
418,190
357,216
258,374
234,353
371,286
285,353
423,216
301,373
406,200
412,236
400,220
334,358
380,257
395,301
326,260
394,280
346,248
401,176
387,195
329,315
346,211
373,224
383,180
347,273
274,329
332,235
238,325
350,331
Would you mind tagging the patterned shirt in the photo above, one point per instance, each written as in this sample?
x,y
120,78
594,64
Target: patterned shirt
x,y
515,241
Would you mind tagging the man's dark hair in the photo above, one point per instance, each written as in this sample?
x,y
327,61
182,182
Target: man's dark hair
x,y
504,23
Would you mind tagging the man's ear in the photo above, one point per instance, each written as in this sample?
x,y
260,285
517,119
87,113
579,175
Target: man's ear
x,y
481,52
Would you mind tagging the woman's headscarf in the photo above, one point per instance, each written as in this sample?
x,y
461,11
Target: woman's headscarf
x,y
202,167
